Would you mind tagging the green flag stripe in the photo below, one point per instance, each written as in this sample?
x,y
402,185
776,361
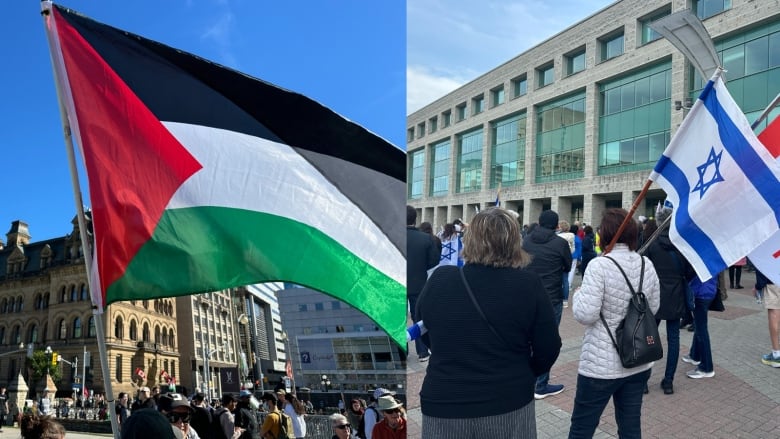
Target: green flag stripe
x,y
202,249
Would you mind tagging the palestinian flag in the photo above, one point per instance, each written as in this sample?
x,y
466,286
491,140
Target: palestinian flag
x,y
203,178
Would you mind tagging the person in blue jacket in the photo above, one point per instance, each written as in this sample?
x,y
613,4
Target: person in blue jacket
x,y
701,351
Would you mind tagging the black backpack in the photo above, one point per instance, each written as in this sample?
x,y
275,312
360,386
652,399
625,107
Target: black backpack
x,y
247,420
216,426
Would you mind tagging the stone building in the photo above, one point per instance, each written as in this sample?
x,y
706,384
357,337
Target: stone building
x,y
45,302
576,123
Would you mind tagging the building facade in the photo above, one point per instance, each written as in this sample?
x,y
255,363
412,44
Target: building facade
x,y
576,123
329,337
45,303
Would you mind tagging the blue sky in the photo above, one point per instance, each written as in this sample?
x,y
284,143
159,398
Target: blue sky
x,y
349,55
452,42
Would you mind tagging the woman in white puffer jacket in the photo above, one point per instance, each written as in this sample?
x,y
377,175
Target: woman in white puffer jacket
x,y
601,376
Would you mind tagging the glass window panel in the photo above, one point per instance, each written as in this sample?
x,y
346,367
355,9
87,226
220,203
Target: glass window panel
x,y
641,120
612,101
613,47
627,151
756,94
734,62
657,87
579,111
642,90
612,153
627,97
658,143
641,151
774,50
756,55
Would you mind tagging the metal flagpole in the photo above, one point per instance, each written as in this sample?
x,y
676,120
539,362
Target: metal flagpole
x,y
68,113
766,111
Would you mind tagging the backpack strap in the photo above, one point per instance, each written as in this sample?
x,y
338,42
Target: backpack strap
x,y
479,309
630,287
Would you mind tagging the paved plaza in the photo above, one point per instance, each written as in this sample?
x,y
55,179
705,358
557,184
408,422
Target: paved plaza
x,y
741,401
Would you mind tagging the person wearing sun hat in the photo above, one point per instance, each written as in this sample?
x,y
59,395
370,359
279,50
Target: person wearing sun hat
x,y
371,415
393,424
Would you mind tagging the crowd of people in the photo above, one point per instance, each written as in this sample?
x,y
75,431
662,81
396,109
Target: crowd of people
x,y
491,321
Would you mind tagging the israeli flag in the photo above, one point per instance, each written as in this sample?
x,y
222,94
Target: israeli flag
x,y
724,185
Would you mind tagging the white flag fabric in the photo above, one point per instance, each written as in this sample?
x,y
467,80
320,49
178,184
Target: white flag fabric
x,y
766,258
723,183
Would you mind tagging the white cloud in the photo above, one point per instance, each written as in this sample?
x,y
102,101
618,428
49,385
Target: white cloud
x,y
454,41
220,33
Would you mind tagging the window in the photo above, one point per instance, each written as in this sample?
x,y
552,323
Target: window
x,y
648,34
335,304
119,329
319,306
420,129
73,294
84,293
545,75
708,8
433,124
519,86
2,335
470,162
146,334
410,135
77,327
32,337
446,119
16,335
508,152
575,62
303,307
133,330
91,327
560,139
478,104
611,45
461,111
63,330
416,174
118,368
157,334
497,96
19,304
440,169
171,340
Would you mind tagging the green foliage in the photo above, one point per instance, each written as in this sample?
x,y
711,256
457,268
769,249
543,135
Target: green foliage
x,y
39,364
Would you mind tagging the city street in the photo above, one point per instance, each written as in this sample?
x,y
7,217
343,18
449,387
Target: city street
x,y
741,401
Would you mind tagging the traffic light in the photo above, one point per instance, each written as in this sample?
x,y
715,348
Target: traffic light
x,y
53,359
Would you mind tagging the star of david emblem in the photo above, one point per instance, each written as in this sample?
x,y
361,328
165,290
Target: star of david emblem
x,y
714,175
447,251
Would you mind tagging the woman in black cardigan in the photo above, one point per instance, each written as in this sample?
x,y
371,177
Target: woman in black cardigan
x,y
469,359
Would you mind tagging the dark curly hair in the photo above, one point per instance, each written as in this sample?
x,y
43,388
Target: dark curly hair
x,y
41,427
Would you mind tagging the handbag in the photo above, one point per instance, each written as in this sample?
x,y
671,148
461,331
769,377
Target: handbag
x,y
636,337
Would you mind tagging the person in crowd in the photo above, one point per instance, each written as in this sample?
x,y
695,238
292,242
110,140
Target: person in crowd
x,y
178,411
604,292
576,260
772,304
244,415
735,274
426,227
371,414
516,333
393,424
3,406
650,226
273,421
355,412
156,396
451,246
421,255
551,258
342,429
121,408
563,232
202,419
223,416
295,409
588,248
33,426
671,268
144,400
44,403
147,424
700,354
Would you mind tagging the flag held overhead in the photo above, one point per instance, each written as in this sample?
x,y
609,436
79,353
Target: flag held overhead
x,y
203,178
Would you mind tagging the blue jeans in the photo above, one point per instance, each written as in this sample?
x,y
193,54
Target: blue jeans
x,y
543,379
700,348
566,286
419,345
672,348
592,397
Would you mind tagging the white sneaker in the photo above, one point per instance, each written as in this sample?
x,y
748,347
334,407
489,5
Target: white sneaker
x,y
690,360
696,374
565,303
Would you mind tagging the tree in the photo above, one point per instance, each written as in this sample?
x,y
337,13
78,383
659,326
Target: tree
x,y
40,363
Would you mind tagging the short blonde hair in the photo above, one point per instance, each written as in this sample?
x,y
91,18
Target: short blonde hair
x,y
493,238
564,226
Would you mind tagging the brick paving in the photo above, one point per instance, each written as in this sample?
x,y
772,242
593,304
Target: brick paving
x,y
741,401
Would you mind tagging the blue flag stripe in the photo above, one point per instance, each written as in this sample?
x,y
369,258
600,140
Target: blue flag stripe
x,y
686,227
748,160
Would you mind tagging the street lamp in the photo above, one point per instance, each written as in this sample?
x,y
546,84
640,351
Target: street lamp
x,y
48,359
325,382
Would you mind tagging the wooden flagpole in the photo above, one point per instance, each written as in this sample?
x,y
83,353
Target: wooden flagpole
x,y
68,113
630,216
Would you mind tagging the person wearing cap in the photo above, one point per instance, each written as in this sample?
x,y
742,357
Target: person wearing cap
x,y
551,258
245,417
147,424
273,421
144,400
392,425
178,411
224,417
371,415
